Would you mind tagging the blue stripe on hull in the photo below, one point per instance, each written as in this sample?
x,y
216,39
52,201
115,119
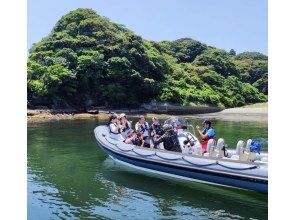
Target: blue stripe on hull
x,y
261,187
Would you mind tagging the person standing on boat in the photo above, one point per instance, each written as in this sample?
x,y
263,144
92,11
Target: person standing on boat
x,y
207,133
142,127
169,139
115,128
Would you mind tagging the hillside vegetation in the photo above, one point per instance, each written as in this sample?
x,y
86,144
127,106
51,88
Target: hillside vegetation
x,y
87,60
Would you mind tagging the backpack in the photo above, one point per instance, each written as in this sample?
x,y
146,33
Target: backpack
x,y
255,146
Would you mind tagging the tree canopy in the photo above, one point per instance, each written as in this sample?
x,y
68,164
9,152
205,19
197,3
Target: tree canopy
x,y
87,60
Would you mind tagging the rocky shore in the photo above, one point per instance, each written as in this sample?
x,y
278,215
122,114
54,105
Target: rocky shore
x,y
247,113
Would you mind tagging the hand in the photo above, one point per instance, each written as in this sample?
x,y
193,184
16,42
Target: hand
x,y
197,127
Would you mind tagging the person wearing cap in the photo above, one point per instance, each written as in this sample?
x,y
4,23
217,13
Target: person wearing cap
x,y
115,128
155,129
125,124
169,139
207,133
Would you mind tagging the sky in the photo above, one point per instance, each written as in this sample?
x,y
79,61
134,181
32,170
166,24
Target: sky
x,y
228,24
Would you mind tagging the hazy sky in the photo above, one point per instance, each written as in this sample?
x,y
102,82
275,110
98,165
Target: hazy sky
x,y
237,24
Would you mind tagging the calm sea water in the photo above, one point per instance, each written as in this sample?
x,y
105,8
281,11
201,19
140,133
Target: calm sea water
x,y
69,177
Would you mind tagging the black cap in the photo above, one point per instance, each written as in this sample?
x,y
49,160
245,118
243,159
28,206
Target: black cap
x,y
207,122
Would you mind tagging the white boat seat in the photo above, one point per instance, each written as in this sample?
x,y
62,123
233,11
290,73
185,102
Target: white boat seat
x,y
206,154
196,149
252,156
213,153
235,157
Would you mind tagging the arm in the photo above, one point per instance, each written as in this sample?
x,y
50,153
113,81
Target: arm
x,y
137,127
203,136
142,145
129,140
159,140
151,131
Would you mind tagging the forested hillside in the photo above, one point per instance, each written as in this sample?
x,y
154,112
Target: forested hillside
x,y
87,60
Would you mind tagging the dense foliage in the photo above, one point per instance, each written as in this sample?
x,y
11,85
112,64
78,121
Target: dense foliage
x,y
89,61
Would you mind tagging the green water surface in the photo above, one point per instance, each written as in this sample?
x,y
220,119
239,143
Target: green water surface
x,y
69,177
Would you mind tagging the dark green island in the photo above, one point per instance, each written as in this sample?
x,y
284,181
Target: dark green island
x,y
88,62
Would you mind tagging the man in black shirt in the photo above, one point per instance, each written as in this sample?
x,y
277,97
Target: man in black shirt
x,y
169,138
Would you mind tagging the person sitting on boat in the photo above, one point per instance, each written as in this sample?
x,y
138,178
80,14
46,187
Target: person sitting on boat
x,y
169,138
115,128
155,129
142,127
126,125
139,141
130,139
206,134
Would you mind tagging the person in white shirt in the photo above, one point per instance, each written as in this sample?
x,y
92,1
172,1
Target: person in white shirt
x,y
115,128
142,127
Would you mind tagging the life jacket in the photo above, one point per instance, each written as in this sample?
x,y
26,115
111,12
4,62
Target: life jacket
x,y
204,141
157,129
144,128
126,127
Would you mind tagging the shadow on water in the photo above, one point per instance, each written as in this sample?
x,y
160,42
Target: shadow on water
x,y
70,178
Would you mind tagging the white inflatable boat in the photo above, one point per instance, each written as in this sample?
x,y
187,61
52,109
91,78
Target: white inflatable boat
x,y
234,168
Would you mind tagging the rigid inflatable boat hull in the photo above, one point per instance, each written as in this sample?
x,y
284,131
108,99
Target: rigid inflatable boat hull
x,y
185,172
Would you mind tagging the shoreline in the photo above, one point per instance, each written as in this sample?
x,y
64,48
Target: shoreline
x,y
246,113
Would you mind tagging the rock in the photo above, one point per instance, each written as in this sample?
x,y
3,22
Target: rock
x,y
93,111
32,112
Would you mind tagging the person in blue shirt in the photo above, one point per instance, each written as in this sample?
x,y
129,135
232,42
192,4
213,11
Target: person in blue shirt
x,y
207,133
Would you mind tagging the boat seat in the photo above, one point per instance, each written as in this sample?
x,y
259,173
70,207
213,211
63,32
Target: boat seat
x,y
210,149
235,157
264,159
213,153
252,156
197,150
216,151
185,150
206,154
